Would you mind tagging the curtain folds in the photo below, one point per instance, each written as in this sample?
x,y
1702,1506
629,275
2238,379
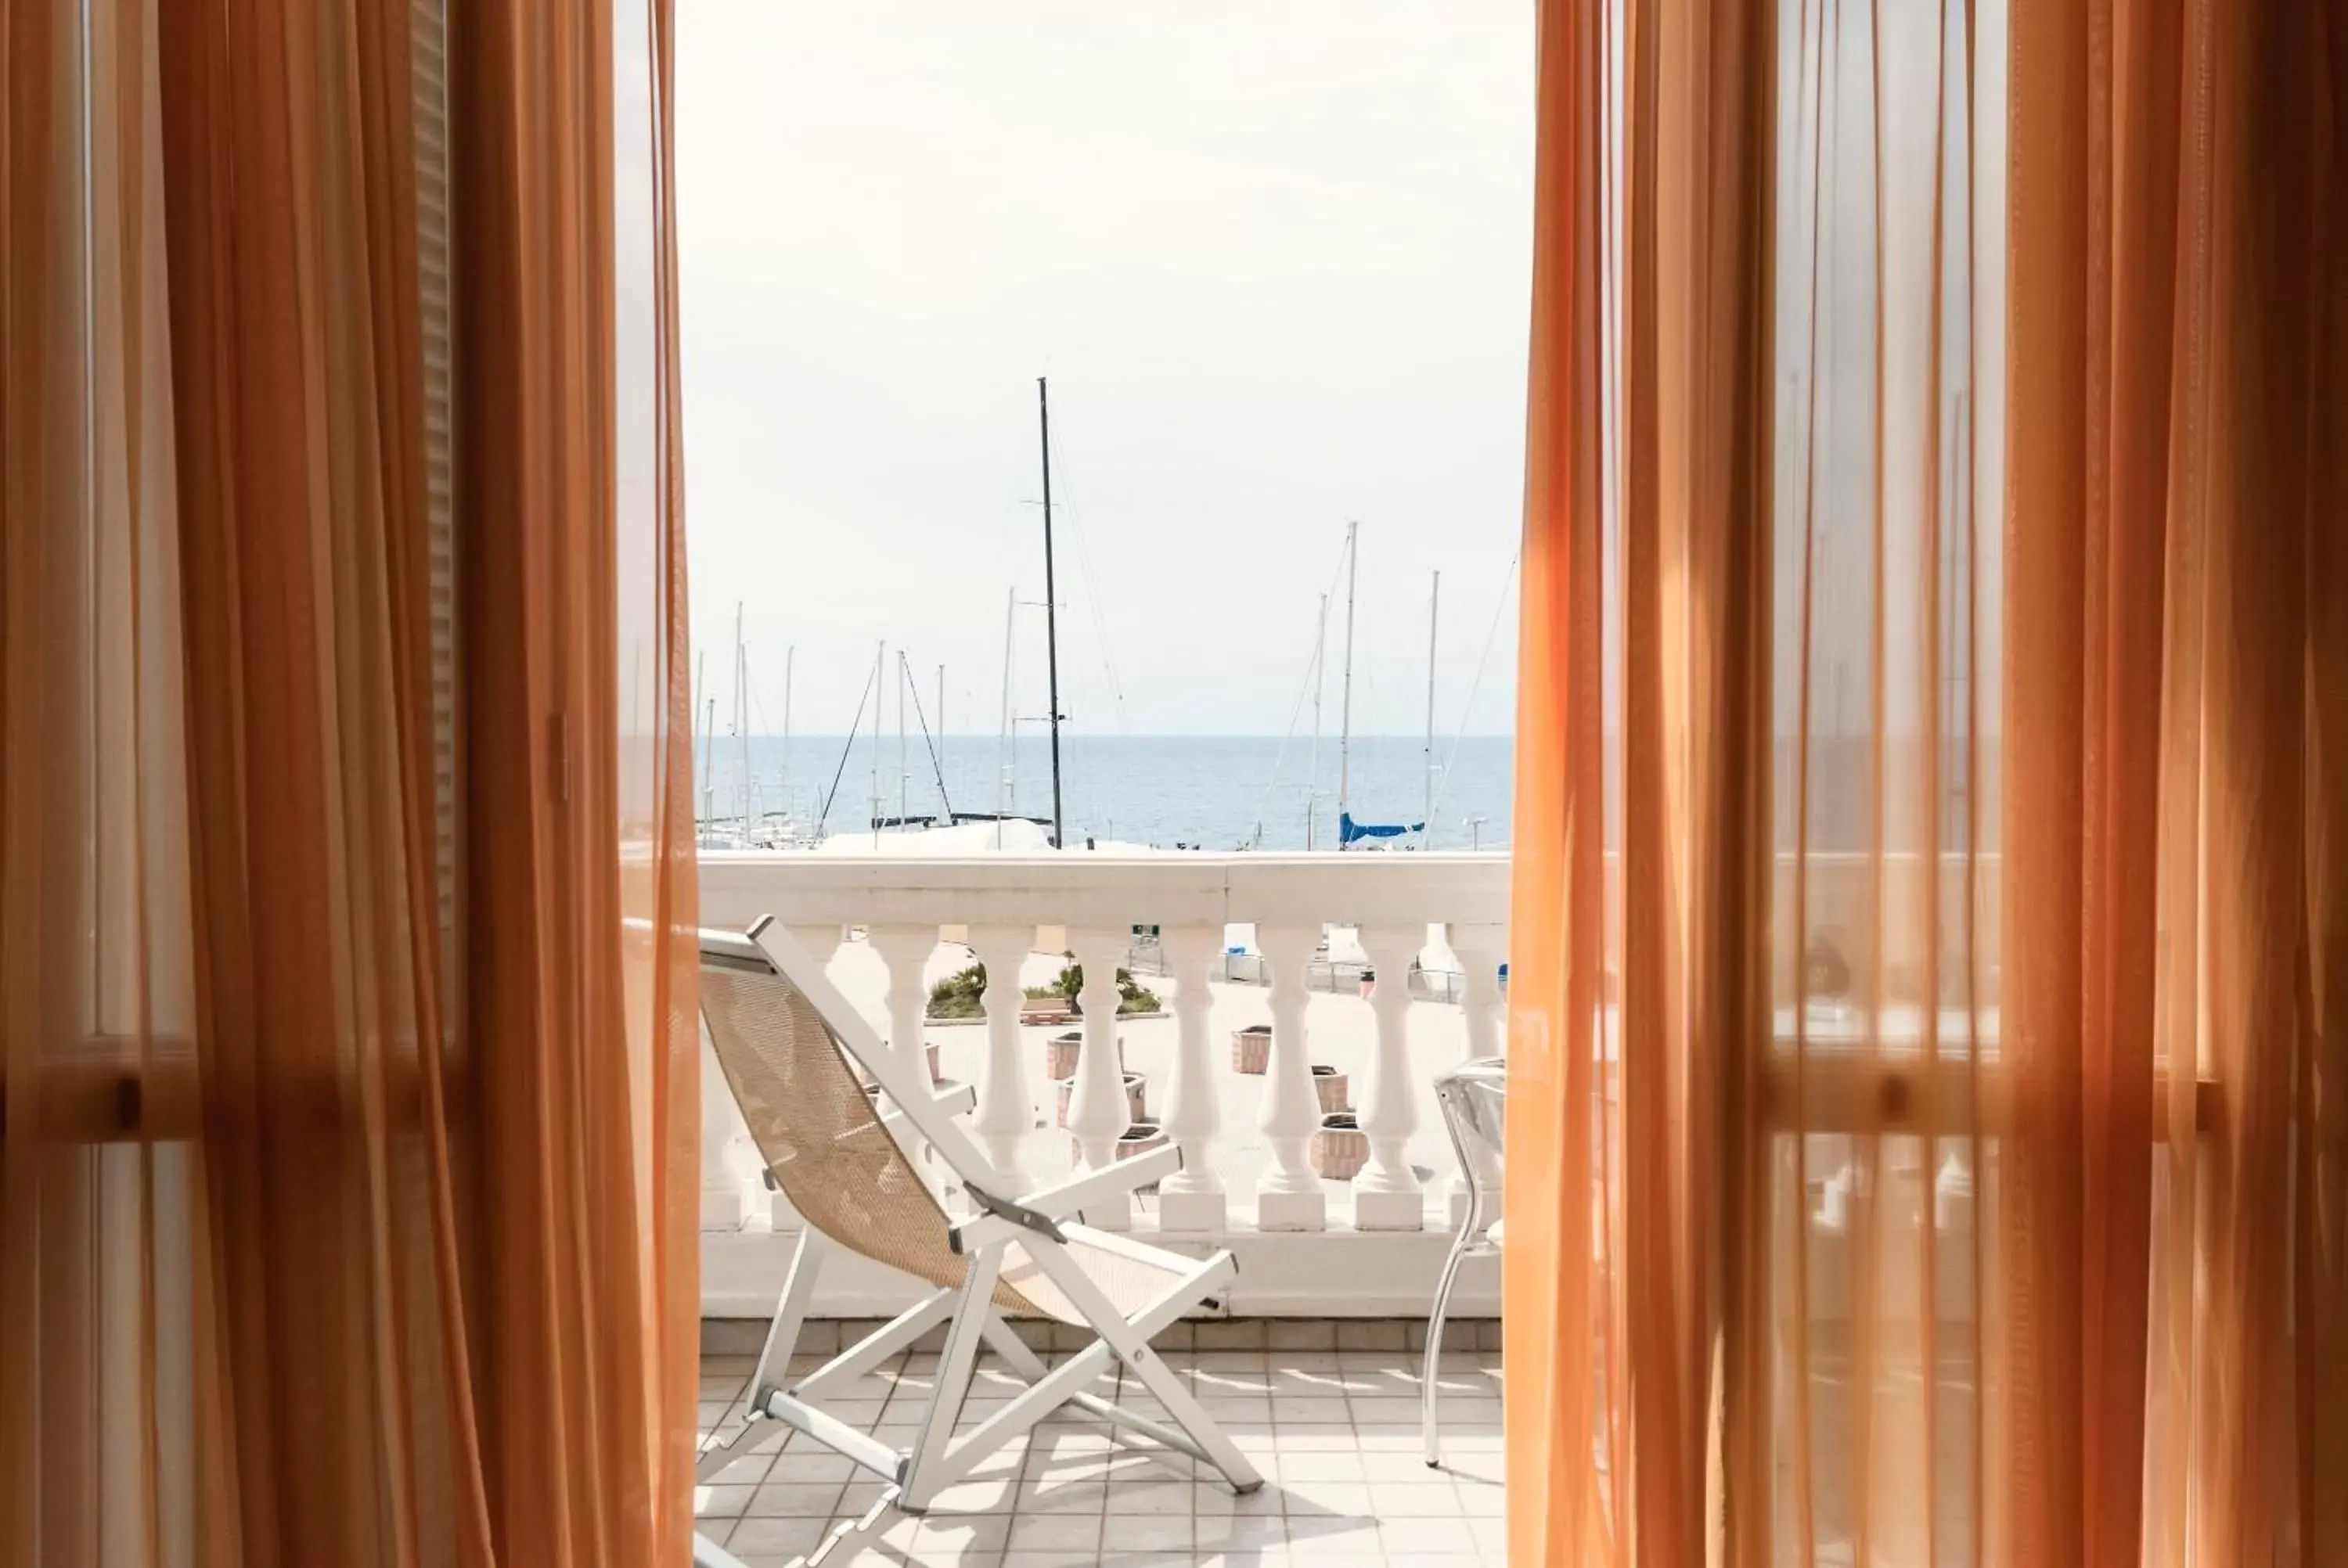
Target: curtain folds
x,y
348,1103
1930,1094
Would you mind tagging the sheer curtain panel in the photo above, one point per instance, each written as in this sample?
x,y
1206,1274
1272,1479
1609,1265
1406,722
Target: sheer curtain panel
x,y
345,895
1930,1117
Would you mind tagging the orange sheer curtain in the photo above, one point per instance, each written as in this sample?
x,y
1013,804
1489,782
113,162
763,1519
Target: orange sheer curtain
x,y
346,896
1930,1121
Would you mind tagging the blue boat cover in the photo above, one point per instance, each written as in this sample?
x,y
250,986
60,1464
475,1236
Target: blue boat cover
x,y
1348,830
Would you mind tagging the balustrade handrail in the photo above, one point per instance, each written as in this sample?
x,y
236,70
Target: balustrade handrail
x,y
1071,889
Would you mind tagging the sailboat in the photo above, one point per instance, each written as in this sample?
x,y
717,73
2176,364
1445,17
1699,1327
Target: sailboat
x,y
751,824
1349,831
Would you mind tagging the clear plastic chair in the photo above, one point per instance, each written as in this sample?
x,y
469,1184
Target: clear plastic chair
x,y
1474,1098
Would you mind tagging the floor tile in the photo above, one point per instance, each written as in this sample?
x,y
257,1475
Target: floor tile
x,y
1055,1532
1146,1532
1224,1532
720,1502
795,1500
1316,1465
1326,1497
1054,1497
803,1465
1150,1497
1417,1500
966,1534
785,1535
976,1497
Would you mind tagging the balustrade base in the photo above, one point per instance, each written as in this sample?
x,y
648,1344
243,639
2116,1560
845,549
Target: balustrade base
x,y
1389,1211
1193,1212
1292,1211
1455,1203
721,1207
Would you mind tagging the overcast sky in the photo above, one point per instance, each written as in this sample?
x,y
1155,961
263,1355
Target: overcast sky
x,y
1274,258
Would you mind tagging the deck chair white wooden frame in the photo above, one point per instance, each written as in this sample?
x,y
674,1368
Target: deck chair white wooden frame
x,y
792,1049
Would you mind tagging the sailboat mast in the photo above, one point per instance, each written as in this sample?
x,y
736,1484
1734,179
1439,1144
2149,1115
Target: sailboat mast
x,y
1345,706
741,716
1051,603
904,783
879,663
1003,753
700,751
1320,683
1426,820
943,805
790,655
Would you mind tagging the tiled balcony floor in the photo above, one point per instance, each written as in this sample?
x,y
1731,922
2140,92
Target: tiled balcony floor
x,y
1335,1432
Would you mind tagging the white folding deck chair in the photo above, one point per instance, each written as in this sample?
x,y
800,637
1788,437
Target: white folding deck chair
x,y
792,1047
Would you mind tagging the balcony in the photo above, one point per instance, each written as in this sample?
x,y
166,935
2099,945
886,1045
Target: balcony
x,y
1317,1373
1431,927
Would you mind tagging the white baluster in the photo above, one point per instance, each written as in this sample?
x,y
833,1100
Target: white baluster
x,y
721,1126
822,942
1386,1195
1006,1105
1193,1199
1480,948
1288,1195
1098,1104
1097,1108
906,949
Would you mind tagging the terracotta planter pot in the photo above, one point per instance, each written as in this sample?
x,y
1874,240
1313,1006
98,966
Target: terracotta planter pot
x,y
1136,1086
1335,1089
1061,1051
1369,982
1340,1149
1251,1049
1139,1138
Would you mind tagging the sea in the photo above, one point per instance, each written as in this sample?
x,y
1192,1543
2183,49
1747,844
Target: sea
x,y
1208,792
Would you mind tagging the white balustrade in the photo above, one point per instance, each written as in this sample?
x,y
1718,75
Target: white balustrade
x,y
1193,1199
722,1136
1481,948
1288,1195
1010,908
1007,1103
1386,1195
1096,1107
906,949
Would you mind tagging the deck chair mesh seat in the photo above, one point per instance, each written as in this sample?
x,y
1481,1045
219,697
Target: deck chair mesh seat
x,y
848,1155
825,1143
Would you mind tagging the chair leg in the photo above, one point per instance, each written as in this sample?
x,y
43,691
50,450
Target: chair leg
x,y
1005,1342
775,1356
719,1453
1132,1346
1435,1318
952,1384
893,1337
790,1315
